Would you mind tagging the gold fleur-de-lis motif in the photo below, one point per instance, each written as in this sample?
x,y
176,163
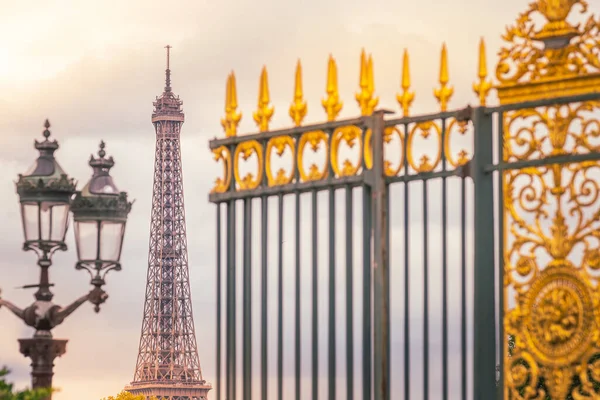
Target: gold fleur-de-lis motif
x,y
405,98
332,103
444,92
364,97
482,88
232,116
298,108
264,113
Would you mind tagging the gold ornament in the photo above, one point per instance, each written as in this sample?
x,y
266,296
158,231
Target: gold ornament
x,y
556,60
264,113
298,108
332,103
279,143
444,93
405,98
364,97
232,117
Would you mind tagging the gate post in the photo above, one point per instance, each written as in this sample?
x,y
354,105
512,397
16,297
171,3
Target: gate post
x,y
380,265
484,307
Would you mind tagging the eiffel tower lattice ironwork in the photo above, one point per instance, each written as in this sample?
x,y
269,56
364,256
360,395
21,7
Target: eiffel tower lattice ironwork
x,y
168,365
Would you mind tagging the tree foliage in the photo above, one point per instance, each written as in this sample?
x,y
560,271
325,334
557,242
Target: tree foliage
x,y
7,391
128,396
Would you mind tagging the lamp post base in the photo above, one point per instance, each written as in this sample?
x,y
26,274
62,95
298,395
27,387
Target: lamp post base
x,y
42,351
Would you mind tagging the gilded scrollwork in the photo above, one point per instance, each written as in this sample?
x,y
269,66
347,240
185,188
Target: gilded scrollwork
x,y
552,131
460,127
552,256
351,135
525,57
314,139
222,184
245,150
388,134
281,177
426,163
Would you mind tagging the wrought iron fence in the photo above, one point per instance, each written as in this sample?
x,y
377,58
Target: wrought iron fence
x,y
484,269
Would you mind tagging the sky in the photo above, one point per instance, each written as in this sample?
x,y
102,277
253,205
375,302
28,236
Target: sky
x,y
93,68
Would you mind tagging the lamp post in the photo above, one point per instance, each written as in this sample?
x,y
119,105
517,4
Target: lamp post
x,y
100,212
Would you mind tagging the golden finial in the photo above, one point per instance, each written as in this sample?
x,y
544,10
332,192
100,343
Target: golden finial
x,y
232,117
406,97
332,103
298,108
482,88
364,97
444,92
264,113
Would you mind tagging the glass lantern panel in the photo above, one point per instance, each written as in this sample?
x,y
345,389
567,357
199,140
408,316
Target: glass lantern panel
x,y
111,240
45,220
29,213
59,217
86,237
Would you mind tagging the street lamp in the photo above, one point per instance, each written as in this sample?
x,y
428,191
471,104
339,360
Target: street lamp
x,y
46,195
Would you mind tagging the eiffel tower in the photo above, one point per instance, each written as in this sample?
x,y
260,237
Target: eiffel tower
x,y
168,366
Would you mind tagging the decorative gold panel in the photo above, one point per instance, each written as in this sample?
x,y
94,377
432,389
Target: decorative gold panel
x,y
552,256
551,212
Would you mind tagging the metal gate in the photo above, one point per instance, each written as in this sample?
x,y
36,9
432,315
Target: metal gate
x,y
515,313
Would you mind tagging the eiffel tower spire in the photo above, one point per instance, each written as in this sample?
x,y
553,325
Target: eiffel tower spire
x,y
168,365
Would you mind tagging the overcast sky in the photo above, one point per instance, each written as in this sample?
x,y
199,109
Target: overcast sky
x,y
93,68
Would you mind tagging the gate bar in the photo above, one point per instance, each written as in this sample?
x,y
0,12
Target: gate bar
x,y
484,308
280,298
406,269
247,306
367,349
349,295
444,271
425,293
332,313
297,344
264,203
381,320
315,303
218,385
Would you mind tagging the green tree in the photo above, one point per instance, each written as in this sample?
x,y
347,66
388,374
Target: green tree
x,y
7,392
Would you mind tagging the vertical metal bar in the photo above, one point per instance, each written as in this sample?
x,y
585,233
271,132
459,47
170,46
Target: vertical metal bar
x,y
247,306
234,307
218,350
264,202
501,239
230,328
349,295
367,354
425,293
297,336
463,289
280,299
381,321
332,314
444,273
484,335
315,299
406,271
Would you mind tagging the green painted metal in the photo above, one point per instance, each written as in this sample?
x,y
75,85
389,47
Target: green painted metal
x,y
376,334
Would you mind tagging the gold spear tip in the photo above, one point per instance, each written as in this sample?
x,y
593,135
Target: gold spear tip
x,y
444,77
233,99
405,71
482,60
